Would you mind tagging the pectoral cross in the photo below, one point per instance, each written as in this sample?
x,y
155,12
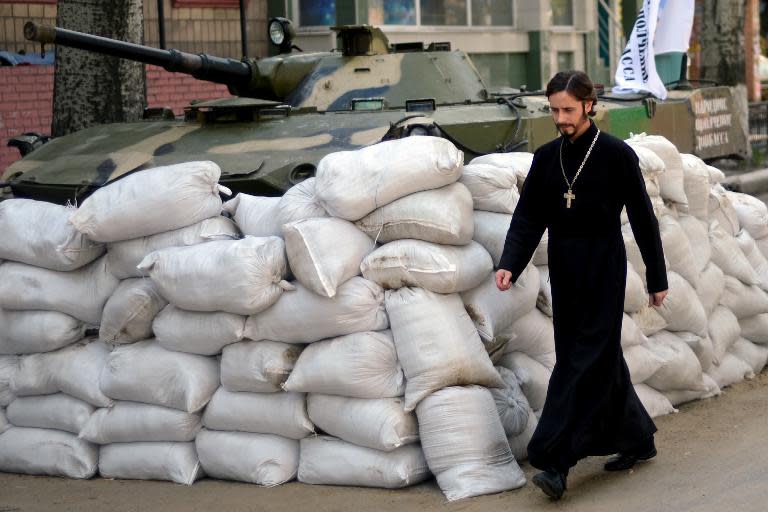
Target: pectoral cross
x,y
568,197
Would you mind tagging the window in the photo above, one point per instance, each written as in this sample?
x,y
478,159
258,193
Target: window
x,y
502,69
317,12
564,61
492,12
562,12
392,12
443,12
206,3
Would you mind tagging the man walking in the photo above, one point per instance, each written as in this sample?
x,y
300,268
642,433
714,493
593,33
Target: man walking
x,y
577,187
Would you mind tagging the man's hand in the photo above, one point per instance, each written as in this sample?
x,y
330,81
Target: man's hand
x,y
654,299
503,279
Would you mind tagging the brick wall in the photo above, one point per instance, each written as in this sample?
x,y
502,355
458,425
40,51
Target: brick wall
x,y
26,100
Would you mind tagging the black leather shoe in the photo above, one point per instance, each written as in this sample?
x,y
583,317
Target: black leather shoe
x,y
552,483
624,461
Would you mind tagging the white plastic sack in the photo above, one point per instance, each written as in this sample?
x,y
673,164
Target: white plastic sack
x,y
282,414
677,250
28,332
649,320
635,296
727,255
532,376
257,366
437,343
442,216
518,444
724,330
197,332
129,312
756,356
79,293
129,207
672,179
544,298
131,422
490,231
465,445
9,365
651,165
38,451
743,300
73,370
261,459
696,183
711,287
708,389
511,404
326,460
755,328
697,232
301,316
730,371
4,425
493,189
642,363
751,212
175,462
682,308
755,257
362,365
519,161
255,215
38,233
57,411
351,184
721,210
715,175
634,257
540,255
300,202
123,258
237,276
435,267
631,334
704,349
323,253
682,369
533,335
655,403
145,372
380,424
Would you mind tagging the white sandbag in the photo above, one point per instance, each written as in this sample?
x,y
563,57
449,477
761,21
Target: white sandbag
x,y
511,403
755,257
79,293
129,312
762,244
38,233
73,370
437,343
237,276
490,231
682,369
635,296
544,298
727,255
672,179
123,257
57,411
730,371
655,403
707,389
631,334
743,300
361,365
697,232
9,365
38,451
519,161
493,310
715,175
128,208
197,332
677,250
704,348
533,335
380,424
29,332
261,459
756,356
532,376
464,443
301,316
130,422
642,363
711,287
721,210
696,183
282,414
493,189
634,257
175,462
257,366
651,165
300,202
751,212
540,255
326,460
724,330
755,328
145,372
682,308
442,216
4,425
435,267
649,320
255,215
351,184
323,253
518,444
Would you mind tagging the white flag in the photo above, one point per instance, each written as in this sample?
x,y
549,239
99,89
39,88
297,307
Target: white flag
x,y
673,33
637,68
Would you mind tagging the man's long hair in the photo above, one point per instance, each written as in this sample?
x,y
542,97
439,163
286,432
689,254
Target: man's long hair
x,y
578,84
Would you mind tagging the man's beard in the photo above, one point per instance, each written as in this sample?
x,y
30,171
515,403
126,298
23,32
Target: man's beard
x,y
572,128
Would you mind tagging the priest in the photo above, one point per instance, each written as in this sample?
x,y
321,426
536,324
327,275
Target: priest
x,y
577,187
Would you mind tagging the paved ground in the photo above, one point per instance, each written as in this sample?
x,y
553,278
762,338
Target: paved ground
x,y
713,456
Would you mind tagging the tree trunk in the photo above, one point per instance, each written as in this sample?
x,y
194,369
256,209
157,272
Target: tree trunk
x,y
722,41
90,88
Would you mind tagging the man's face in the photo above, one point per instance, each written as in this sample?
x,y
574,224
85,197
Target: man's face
x,y
568,113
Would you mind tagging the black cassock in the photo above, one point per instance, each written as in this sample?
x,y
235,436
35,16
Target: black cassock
x,y
591,406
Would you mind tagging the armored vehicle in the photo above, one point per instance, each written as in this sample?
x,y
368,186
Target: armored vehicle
x,y
290,110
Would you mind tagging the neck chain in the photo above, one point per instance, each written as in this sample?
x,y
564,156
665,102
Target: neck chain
x,y
569,196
